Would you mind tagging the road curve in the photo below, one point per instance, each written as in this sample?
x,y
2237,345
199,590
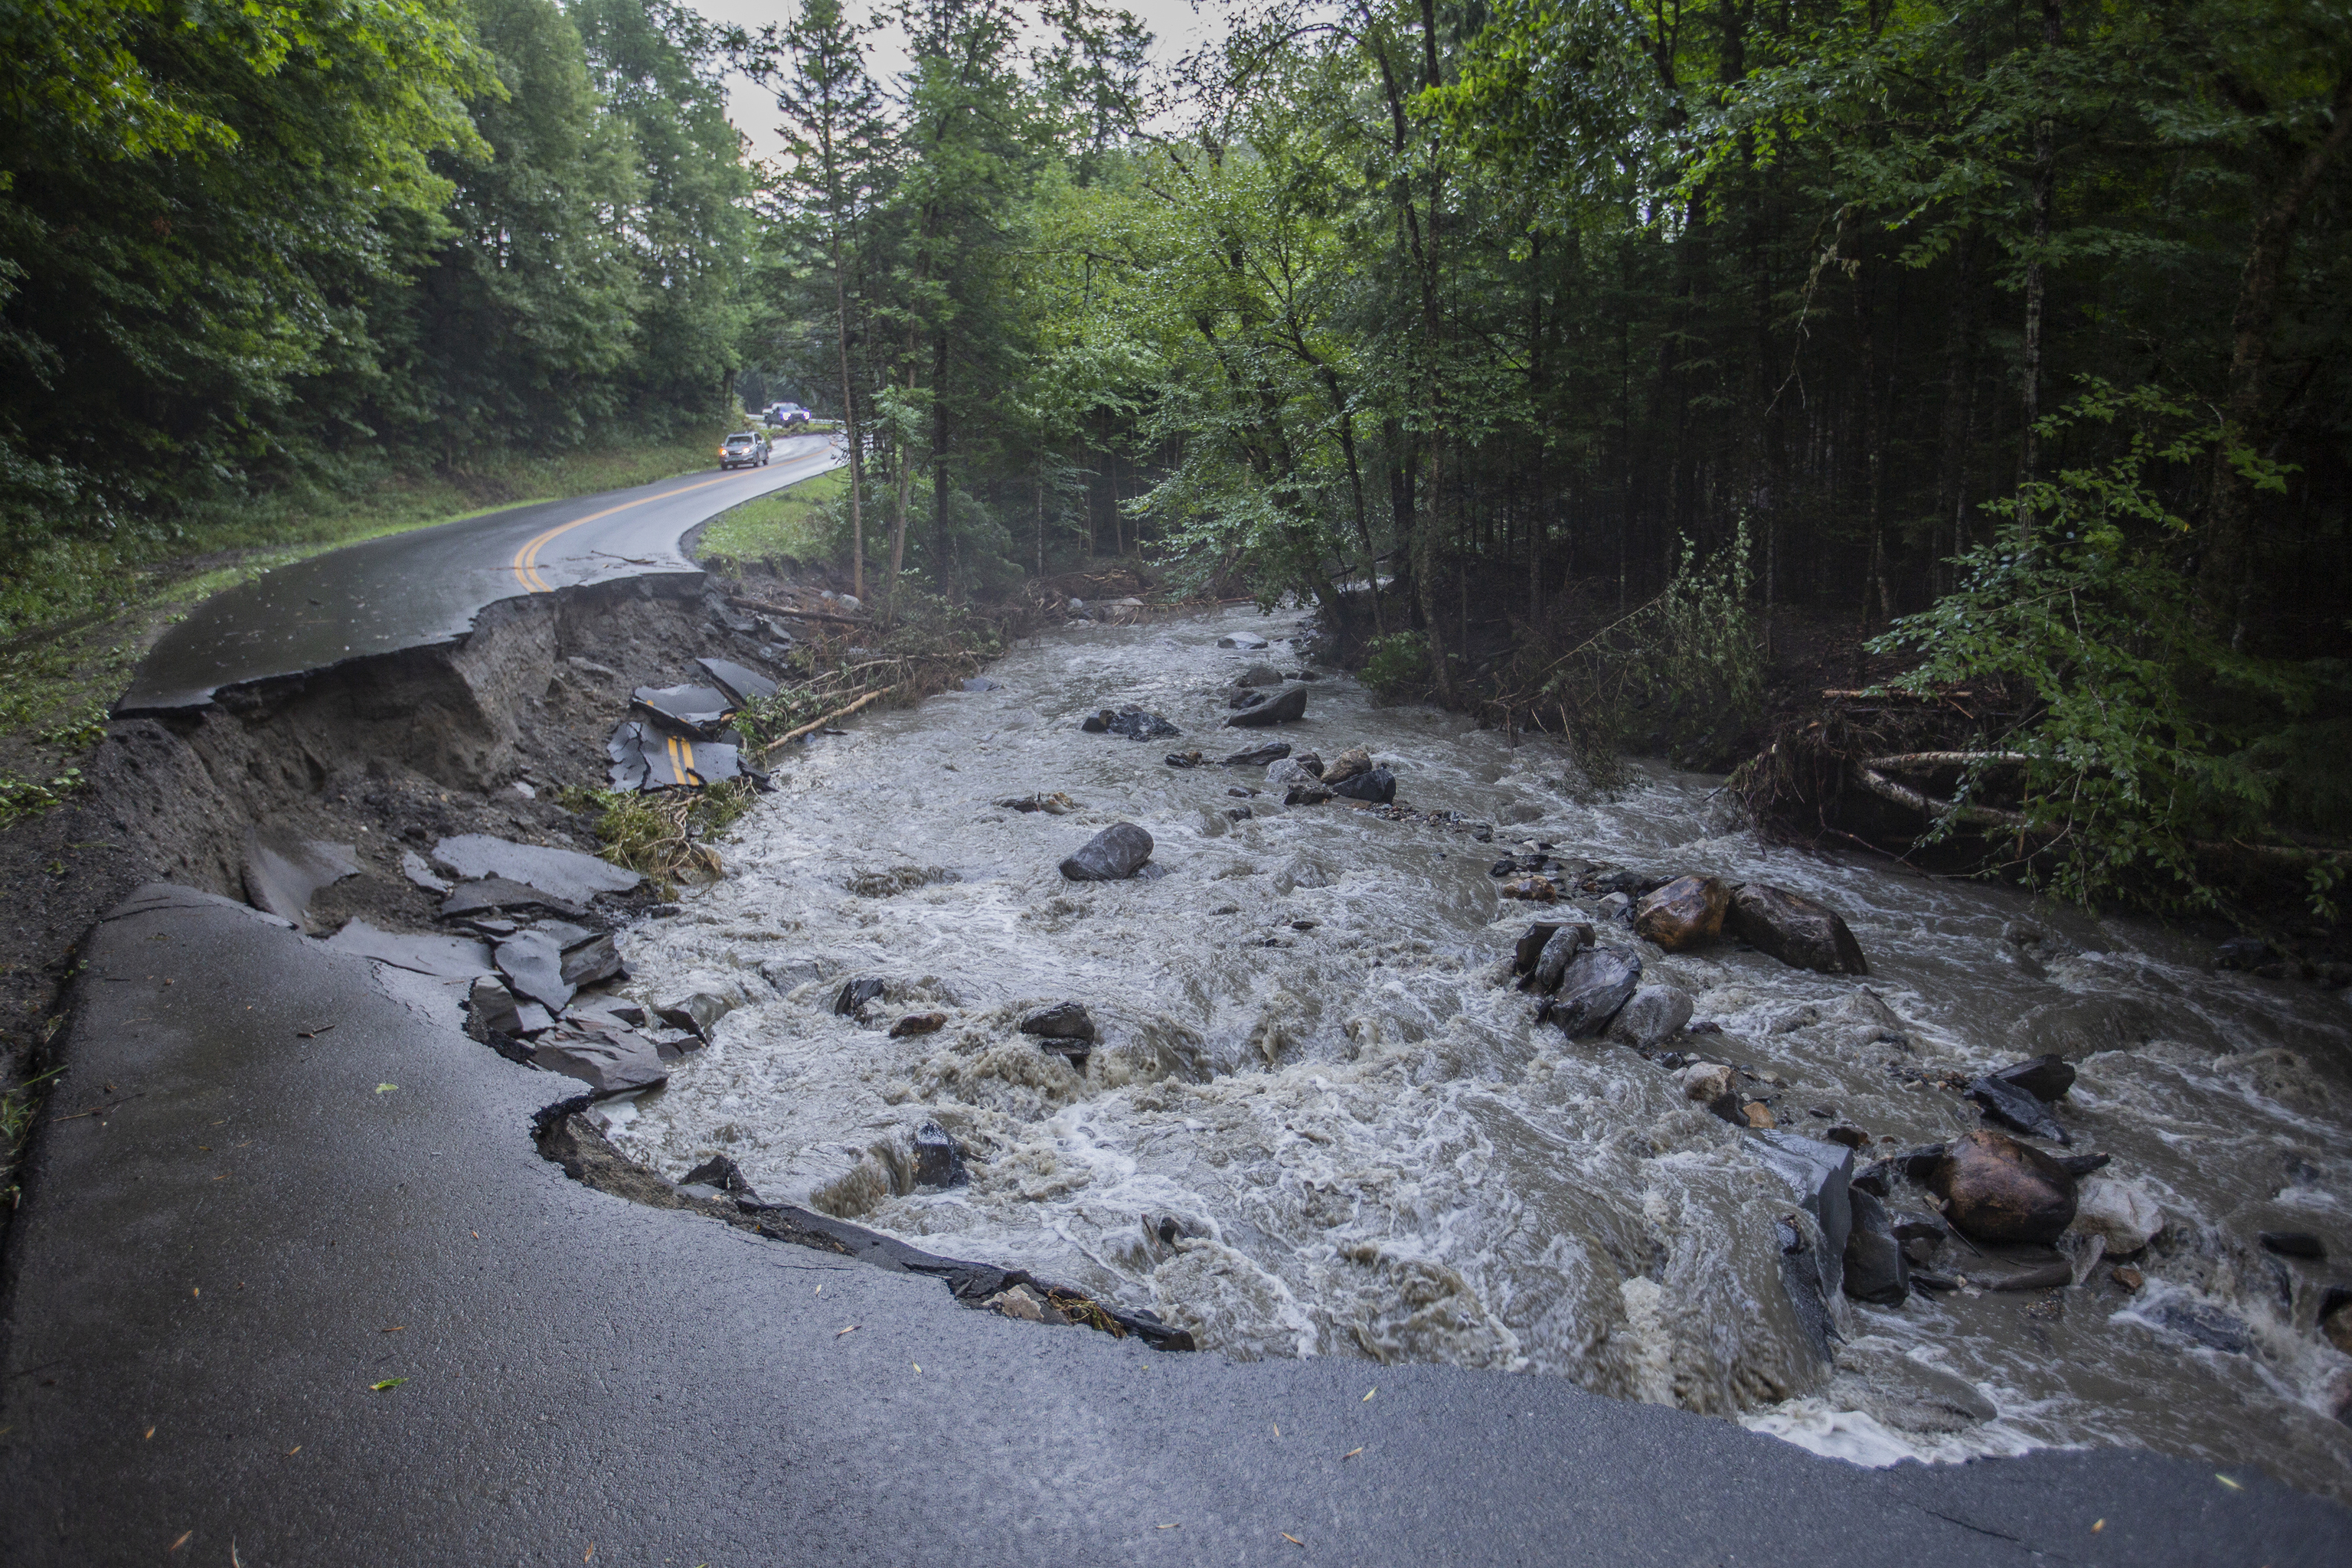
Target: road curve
x,y
426,586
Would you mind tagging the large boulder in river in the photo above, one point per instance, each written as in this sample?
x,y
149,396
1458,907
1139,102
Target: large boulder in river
x,y
1595,984
1656,1013
1291,704
1684,912
1875,1269
2122,1214
2045,1077
1259,675
2006,1103
1793,928
1116,852
1997,1189
1550,967
1348,765
1378,786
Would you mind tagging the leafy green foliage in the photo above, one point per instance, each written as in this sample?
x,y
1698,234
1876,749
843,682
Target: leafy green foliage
x,y
2146,733
1397,666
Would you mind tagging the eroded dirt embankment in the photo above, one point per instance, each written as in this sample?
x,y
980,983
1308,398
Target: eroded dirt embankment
x,y
383,753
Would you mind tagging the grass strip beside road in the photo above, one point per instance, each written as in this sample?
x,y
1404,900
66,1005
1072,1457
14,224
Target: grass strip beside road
x,y
800,524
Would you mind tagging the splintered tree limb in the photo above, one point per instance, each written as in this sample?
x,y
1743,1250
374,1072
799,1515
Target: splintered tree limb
x,y
815,724
2290,856
1910,759
766,609
1879,784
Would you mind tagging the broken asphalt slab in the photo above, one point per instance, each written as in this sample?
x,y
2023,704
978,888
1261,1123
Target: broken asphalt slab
x,y
568,874
208,1282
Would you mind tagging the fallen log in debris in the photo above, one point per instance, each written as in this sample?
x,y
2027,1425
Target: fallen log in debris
x,y
767,609
815,724
1908,761
1926,805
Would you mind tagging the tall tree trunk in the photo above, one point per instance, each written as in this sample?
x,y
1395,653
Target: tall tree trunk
x,y
849,424
2225,575
2045,180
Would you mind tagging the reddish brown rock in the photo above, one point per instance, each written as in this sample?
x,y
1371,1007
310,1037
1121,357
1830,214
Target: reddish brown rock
x,y
1684,912
1793,928
1998,1189
1537,889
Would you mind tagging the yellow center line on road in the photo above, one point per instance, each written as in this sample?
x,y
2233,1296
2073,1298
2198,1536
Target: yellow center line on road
x,y
526,560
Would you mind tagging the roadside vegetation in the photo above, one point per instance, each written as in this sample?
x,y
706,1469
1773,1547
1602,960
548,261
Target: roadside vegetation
x,y
806,524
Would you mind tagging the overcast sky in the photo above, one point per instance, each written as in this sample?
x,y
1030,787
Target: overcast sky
x,y
1174,25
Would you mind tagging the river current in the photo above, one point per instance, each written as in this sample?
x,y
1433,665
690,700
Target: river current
x,y
1321,1123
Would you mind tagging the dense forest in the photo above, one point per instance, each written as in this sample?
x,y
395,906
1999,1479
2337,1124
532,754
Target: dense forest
x,y
1612,342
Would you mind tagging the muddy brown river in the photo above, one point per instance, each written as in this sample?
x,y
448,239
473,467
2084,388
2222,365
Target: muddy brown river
x,y
1321,1123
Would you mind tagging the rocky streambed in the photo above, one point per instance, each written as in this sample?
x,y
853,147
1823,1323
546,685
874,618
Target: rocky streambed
x,y
1317,1109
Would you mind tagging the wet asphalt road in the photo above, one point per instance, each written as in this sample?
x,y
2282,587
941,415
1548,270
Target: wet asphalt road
x,y
264,1218
425,587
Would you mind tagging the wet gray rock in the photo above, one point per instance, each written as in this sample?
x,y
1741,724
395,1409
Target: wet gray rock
x,y
1245,697
981,683
1259,675
1596,983
2084,1025
2045,1077
1289,774
1561,946
1378,786
1656,1013
1530,948
855,995
1820,1177
938,1162
1244,640
1116,852
1257,756
609,1061
533,965
1350,763
698,1012
1290,705
1134,723
1182,759
1793,928
2080,1165
1618,907
1061,1021
1875,1269
1910,1225
284,870
566,874
2293,1244
2013,1108
442,957
790,974
2208,1326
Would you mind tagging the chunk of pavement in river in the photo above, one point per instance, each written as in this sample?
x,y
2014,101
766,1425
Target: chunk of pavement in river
x,y
1819,1175
1061,1021
854,994
609,1061
722,1174
1290,705
490,894
2004,1103
533,964
1875,1268
491,1009
1793,928
739,684
646,757
283,870
591,962
700,1010
1802,1268
1997,1189
1558,951
981,683
1267,755
1683,913
412,867
442,957
700,712
1379,787
1135,723
1656,1013
938,1162
1248,641
1596,983
2046,1077
1119,851
1259,675
2124,1214
566,873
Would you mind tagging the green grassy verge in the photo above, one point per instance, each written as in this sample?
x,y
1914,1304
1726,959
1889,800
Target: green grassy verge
x,y
798,523
76,616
